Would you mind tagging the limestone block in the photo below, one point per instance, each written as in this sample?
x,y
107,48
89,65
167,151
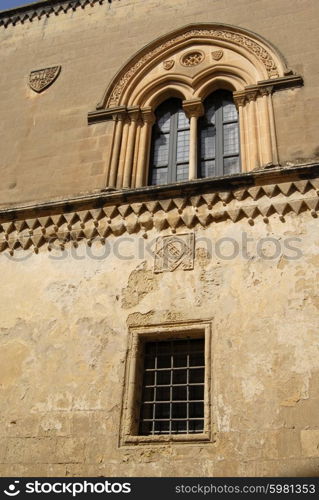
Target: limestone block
x,y
310,442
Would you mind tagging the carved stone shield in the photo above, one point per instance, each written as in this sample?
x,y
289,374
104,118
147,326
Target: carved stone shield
x,y
217,54
175,251
43,78
168,64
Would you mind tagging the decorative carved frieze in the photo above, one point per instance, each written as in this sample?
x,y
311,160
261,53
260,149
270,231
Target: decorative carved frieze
x,y
198,204
42,78
228,35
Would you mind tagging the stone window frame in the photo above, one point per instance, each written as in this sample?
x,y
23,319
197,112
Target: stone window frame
x,y
134,380
244,63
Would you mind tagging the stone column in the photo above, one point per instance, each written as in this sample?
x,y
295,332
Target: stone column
x,y
274,149
252,131
194,109
267,157
144,146
128,164
137,142
120,169
240,100
119,119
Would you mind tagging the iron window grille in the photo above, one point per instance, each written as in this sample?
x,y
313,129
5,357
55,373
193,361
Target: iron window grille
x,y
173,387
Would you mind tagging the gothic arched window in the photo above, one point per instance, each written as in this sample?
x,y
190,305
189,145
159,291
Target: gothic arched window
x,y
217,140
170,144
218,136
190,63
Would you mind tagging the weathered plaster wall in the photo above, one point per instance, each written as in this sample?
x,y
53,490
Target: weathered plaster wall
x,y
65,321
64,338
47,148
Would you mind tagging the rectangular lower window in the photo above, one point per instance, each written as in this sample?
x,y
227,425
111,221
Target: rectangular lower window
x,y
173,387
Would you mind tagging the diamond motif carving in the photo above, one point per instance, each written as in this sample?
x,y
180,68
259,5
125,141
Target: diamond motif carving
x,y
174,252
52,227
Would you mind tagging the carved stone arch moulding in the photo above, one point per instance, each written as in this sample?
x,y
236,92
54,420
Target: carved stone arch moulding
x,y
193,61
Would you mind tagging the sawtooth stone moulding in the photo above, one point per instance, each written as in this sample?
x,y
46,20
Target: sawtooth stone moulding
x,y
173,208
38,10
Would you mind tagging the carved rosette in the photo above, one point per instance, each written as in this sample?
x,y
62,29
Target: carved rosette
x,y
193,58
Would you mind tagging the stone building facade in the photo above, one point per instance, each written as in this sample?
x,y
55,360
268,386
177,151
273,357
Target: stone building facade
x,y
102,266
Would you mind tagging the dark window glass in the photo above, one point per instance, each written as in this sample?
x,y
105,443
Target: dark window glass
x,y
173,387
170,144
218,141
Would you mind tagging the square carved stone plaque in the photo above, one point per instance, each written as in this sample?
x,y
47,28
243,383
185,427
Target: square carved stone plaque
x,y
174,251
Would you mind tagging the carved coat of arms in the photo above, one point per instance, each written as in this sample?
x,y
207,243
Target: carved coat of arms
x,y
217,54
168,64
174,251
43,78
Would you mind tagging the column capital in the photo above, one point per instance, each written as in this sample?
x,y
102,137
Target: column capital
x,y
101,115
134,113
240,98
120,116
266,90
252,95
148,115
193,108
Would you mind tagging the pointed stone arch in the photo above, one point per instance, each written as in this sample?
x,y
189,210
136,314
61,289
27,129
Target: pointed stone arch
x,y
192,62
268,62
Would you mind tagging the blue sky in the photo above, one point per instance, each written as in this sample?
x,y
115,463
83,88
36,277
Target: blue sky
x,y
10,4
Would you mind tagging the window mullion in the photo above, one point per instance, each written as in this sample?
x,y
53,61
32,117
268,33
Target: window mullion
x,y
200,127
172,154
219,141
